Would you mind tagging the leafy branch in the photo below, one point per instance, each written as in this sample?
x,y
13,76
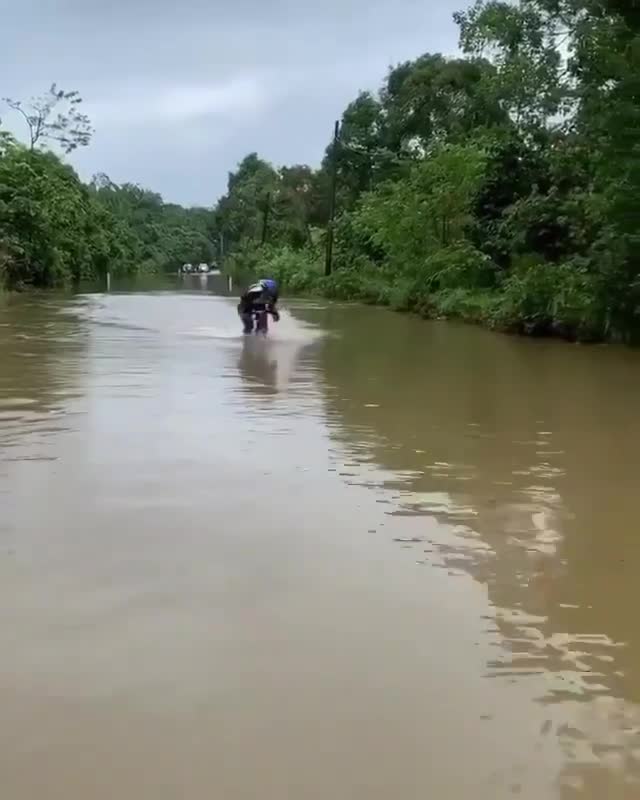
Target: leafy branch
x,y
54,117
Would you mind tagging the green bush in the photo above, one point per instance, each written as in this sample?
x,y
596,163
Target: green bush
x,y
460,266
472,305
401,295
543,298
296,271
344,284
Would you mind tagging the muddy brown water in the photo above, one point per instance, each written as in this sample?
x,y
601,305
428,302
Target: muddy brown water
x,y
369,557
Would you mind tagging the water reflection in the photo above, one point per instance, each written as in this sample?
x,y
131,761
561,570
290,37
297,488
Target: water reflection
x,y
41,349
281,367
525,453
258,365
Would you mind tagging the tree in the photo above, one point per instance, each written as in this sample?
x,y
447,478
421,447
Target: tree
x,y
359,149
6,141
435,99
55,230
291,198
51,229
158,236
522,42
239,213
410,220
54,117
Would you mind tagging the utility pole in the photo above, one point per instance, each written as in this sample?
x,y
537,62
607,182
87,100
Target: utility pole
x,y
265,218
328,264
220,250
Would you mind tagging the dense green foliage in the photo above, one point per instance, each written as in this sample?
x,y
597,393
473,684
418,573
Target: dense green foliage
x,y
503,186
55,230
154,235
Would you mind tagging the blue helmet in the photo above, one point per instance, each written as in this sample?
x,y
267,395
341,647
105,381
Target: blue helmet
x,y
269,285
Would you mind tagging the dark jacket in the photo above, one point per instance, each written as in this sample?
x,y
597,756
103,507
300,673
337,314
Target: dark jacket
x,y
257,299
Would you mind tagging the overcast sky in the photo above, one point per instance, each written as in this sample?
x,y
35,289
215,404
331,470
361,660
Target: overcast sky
x,y
179,92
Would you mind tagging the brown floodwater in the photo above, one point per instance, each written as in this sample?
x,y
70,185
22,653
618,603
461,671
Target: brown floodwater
x,y
368,557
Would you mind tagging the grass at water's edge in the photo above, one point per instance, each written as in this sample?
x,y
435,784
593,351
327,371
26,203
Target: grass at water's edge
x,y
474,307
531,300
491,308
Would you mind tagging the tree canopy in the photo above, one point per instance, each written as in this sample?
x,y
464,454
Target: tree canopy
x,y
501,185
54,229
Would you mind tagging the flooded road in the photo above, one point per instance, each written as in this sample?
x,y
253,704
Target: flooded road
x,y
369,557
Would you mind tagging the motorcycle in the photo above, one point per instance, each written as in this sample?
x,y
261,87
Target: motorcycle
x,y
257,319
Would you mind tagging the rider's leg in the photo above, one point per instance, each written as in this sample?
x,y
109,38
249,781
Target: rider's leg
x,y
247,321
261,322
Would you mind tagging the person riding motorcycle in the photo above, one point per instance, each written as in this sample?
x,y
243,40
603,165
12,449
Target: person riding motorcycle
x,y
261,296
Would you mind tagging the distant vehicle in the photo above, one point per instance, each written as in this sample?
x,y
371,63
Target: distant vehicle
x,y
186,268
202,267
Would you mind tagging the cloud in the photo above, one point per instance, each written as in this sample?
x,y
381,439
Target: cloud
x,y
240,97
180,92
